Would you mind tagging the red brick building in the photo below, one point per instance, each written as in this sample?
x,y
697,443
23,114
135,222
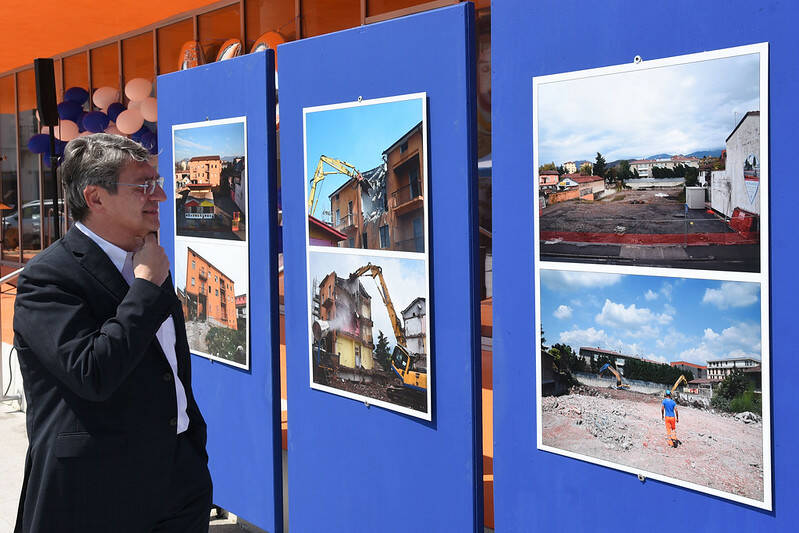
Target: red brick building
x,y
210,293
205,169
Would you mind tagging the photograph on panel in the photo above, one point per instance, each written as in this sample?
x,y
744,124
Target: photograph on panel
x,y
210,166
657,375
369,329
366,173
655,163
212,280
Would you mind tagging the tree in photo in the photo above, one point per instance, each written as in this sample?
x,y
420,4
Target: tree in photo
x,y
547,166
381,353
585,169
599,166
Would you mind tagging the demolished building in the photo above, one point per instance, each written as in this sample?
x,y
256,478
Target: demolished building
x,y
346,307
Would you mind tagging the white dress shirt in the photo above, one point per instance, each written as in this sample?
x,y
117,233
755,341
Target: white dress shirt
x,y
123,261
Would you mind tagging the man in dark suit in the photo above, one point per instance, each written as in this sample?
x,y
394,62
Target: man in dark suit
x,y
116,440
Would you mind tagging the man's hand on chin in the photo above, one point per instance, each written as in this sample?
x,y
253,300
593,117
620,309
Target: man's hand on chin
x,y
150,261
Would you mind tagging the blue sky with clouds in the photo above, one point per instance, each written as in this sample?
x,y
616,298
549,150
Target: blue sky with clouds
x,y
678,110
357,135
659,318
224,140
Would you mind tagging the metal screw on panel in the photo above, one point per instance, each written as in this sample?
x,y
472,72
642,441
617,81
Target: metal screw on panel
x,y
637,60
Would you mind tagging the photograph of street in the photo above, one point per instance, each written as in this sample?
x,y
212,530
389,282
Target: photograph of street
x,y
654,165
211,179
212,280
656,375
369,329
366,172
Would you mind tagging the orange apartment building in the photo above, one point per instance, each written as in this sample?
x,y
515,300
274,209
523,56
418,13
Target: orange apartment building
x,y
206,169
210,294
399,223
347,305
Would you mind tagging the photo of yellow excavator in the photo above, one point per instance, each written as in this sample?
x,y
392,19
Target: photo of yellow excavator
x,y
619,382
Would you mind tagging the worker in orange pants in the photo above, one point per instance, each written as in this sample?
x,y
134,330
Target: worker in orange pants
x,y
669,413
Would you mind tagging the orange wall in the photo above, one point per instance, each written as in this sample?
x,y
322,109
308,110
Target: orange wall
x,y
25,36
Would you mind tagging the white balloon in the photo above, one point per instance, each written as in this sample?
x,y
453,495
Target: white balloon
x,y
84,133
66,130
138,89
105,96
149,109
130,121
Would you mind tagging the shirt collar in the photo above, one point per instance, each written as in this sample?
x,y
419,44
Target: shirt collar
x,y
116,254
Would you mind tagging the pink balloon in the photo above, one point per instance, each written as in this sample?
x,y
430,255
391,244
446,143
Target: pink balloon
x,y
149,109
105,96
112,129
138,89
84,133
134,105
130,121
66,130
45,130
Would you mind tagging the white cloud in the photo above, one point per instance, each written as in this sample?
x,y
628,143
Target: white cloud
x,y
559,280
739,340
618,315
732,294
584,337
669,309
563,312
650,295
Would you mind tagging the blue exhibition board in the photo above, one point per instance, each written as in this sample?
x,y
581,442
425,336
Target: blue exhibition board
x,y
353,467
540,491
241,407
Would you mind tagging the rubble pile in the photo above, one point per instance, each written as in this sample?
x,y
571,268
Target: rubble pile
x,y
600,417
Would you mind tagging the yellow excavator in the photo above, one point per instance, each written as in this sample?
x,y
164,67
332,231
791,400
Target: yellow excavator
x,y
619,383
413,391
680,380
341,167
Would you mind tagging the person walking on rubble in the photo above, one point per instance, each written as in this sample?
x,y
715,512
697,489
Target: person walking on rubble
x,y
669,413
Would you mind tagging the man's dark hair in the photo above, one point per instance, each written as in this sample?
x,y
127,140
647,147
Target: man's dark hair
x,y
96,160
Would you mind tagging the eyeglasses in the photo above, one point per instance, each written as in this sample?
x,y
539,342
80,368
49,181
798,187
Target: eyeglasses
x,y
149,186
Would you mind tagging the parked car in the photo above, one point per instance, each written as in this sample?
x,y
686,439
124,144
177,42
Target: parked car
x,y
31,224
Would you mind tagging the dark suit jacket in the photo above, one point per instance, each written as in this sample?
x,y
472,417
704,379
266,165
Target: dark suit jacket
x,y
102,412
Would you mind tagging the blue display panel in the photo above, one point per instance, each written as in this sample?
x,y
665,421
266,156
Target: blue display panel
x,y
353,465
535,488
240,403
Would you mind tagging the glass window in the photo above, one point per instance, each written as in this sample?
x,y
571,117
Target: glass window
x,y
170,40
216,27
8,171
76,71
105,66
29,228
384,242
192,282
261,16
379,7
137,58
324,16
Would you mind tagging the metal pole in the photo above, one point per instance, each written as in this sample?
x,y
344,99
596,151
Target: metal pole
x,y
53,163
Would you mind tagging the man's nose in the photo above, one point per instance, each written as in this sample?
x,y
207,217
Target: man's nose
x,y
159,194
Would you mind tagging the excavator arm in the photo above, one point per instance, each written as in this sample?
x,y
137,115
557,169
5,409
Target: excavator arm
x,y
340,167
377,273
680,380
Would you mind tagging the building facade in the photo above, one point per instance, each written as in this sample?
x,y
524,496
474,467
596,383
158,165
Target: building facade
x,y
737,187
210,293
721,368
347,307
205,170
405,191
699,371
414,319
644,166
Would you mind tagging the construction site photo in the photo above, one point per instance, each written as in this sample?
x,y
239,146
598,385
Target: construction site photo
x,y
652,167
369,329
211,180
657,376
366,173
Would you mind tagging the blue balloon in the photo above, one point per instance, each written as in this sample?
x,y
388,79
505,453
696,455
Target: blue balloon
x,y
138,135
78,95
149,141
39,144
114,110
79,122
69,110
59,147
96,121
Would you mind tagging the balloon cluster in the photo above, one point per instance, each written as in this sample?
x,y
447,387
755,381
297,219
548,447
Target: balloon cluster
x,y
113,117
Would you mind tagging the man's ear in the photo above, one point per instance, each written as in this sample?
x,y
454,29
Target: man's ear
x,y
94,197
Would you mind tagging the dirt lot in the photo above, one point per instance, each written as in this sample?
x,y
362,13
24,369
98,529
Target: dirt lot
x,y
647,211
717,450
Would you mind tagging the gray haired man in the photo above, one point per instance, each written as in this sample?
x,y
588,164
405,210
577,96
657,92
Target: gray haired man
x,y
117,442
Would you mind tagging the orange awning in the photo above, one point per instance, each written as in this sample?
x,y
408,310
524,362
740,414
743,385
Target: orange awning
x,y
49,27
